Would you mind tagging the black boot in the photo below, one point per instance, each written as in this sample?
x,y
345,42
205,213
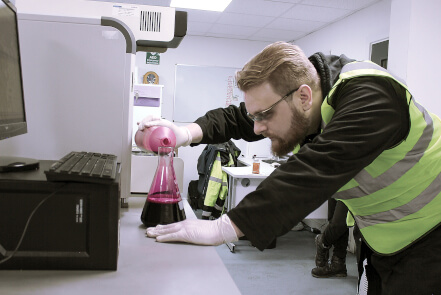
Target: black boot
x,y
337,268
322,254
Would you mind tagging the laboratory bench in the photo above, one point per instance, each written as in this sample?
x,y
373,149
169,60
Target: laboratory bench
x,y
144,267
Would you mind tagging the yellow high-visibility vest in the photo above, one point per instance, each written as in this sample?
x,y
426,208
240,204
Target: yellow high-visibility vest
x,y
397,198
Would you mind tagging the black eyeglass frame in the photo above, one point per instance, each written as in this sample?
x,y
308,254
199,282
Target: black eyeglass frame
x,y
260,116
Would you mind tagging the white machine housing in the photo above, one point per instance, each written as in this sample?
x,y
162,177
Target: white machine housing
x,y
78,61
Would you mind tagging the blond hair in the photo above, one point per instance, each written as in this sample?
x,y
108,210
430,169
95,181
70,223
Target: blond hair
x,y
283,65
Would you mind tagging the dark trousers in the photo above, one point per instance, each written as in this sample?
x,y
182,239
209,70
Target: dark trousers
x,y
336,233
413,271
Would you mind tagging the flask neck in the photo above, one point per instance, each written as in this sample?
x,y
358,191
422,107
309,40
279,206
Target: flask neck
x,y
165,155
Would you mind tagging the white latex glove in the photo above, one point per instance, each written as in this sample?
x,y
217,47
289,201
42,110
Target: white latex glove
x,y
195,231
183,135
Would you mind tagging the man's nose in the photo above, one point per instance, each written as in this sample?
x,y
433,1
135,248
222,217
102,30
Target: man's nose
x,y
259,127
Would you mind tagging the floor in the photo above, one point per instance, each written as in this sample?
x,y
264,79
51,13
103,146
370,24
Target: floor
x,y
285,269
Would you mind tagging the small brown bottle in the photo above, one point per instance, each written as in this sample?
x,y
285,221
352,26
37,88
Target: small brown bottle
x,y
256,165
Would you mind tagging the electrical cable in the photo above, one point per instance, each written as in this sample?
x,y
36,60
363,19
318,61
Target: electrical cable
x,y
27,224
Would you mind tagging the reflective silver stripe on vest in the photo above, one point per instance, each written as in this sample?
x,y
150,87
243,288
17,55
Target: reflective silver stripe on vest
x,y
215,179
218,208
398,213
370,185
366,66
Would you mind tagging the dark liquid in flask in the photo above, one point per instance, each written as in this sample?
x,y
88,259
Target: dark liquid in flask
x,y
161,211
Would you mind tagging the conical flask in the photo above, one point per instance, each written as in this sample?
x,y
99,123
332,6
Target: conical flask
x,y
164,203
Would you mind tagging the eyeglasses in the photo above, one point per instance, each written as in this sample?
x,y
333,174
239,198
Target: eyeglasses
x,y
260,116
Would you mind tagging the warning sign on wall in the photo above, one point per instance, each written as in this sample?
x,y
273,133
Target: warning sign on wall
x,y
152,58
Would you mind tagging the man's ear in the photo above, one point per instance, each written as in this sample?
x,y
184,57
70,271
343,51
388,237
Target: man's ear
x,y
305,97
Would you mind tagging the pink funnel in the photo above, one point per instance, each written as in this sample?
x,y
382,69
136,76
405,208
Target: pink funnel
x,y
153,137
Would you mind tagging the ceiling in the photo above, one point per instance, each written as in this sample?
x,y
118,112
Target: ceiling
x,y
265,20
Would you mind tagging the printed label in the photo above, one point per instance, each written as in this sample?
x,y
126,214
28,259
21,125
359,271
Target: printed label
x,y
79,211
125,10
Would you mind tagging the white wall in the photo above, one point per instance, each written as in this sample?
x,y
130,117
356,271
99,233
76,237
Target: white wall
x,y
352,35
413,28
201,51
414,48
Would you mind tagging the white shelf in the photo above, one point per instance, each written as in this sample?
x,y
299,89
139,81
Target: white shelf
x,y
147,100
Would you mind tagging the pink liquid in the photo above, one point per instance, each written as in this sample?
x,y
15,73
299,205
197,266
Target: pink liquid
x,y
163,209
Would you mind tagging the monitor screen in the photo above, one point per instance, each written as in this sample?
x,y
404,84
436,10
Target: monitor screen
x,y
12,110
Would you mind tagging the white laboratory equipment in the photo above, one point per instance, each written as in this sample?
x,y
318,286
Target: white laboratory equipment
x,y
78,62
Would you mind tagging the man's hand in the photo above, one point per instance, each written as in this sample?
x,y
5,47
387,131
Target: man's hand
x,y
196,231
183,135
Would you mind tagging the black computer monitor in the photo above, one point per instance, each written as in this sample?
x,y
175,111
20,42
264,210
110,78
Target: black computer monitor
x,y
12,109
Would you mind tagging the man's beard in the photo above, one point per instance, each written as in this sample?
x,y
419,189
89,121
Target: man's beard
x,y
299,129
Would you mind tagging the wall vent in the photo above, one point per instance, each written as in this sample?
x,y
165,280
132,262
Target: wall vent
x,y
150,21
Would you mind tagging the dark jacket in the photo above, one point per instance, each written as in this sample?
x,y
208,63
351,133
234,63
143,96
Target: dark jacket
x,y
207,157
198,189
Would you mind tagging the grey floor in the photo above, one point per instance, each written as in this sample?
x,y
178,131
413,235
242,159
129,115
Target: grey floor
x,y
285,269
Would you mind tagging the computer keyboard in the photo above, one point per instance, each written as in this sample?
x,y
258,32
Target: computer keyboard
x,y
84,167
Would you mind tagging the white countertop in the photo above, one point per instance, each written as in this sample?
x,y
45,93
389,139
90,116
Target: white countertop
x,y
247,171
144,267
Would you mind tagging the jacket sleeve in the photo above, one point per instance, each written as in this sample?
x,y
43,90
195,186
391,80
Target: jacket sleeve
x,y
370,116
222,124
